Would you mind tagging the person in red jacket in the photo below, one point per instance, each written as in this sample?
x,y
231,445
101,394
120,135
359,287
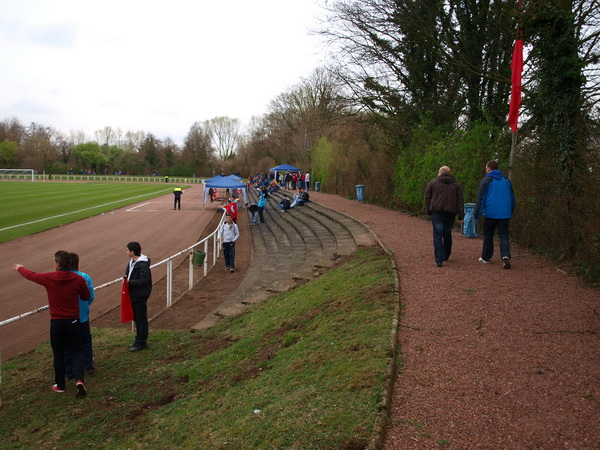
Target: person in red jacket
x,y
231,208
64,289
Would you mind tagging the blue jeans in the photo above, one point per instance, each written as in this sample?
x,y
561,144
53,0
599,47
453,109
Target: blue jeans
x,y
489,227
229,254
442,235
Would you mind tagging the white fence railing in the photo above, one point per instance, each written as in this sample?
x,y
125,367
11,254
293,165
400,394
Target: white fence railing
x,y
81,177
169,262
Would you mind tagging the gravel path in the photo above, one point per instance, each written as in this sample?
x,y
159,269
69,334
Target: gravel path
x,y
492,358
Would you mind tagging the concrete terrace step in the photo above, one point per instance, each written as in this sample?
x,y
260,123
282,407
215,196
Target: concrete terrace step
x,y
289,248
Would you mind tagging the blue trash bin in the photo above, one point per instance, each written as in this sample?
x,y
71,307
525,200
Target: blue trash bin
x,y
469,225
359,192
317,186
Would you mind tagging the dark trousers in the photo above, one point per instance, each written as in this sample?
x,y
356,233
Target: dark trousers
x,y
489,228
260,214
88,355
177,203
442,235
66,333
229,254
140,317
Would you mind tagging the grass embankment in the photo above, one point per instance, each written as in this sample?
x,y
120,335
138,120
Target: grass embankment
x,y
27,208
301,370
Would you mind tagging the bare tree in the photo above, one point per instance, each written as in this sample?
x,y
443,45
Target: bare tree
x,y
309,109
197,149
406,58
38,149
12,130
133,140
225,135
77,137
106,136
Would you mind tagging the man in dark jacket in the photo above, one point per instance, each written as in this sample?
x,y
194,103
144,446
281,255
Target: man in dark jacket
x,y
496,202
443,201
139,281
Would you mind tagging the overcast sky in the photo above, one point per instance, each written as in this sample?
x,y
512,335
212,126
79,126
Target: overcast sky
x,y
156,66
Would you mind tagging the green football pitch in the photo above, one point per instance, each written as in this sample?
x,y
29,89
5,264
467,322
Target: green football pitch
x,y
27,208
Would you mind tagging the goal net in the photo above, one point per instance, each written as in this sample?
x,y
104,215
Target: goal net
x,y
17,174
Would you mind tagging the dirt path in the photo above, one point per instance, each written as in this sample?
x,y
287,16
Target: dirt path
x,y
493,358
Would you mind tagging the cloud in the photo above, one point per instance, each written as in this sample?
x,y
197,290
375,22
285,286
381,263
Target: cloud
x,y
150,65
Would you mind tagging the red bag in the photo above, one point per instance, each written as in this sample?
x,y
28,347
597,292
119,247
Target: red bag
x,y
126,307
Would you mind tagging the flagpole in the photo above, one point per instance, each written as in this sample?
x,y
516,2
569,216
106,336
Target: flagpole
x,y
516,88
511,159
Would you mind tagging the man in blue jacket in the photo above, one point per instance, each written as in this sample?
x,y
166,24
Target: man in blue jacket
x,y
496,202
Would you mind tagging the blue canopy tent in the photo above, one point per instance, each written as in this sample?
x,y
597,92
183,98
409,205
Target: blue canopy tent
x,y
222,183
284,168
222,177
216,177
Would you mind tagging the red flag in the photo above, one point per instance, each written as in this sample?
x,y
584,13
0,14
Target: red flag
x,y
126,307
517,70
515,95
232,210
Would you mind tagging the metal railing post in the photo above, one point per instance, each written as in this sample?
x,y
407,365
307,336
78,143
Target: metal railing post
x,y
169,282
205,257
191,271
215,250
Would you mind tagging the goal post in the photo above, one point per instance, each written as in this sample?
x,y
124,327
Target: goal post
x,y
17,174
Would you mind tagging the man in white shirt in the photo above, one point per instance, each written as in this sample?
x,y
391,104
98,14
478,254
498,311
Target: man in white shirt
x,y
228,234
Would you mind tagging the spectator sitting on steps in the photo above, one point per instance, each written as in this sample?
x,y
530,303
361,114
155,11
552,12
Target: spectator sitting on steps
x,y
300,198
285,203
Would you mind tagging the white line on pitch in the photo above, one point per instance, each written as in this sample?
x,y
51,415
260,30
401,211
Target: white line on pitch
x,y
138,206
78,211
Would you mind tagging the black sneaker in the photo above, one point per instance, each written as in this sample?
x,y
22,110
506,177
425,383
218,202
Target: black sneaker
x,y
138,347
80,389
506,262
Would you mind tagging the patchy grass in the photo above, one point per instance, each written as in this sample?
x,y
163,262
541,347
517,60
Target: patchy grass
x,y
299,370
